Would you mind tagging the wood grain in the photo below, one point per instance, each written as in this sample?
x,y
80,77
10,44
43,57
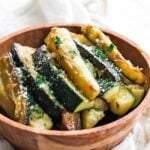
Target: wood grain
x,y
98,138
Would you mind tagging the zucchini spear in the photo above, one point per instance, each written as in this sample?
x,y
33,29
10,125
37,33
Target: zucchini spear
x,y
38,118
37,85
91,117
137,91
64,90
13,98
59,42
99,59
101,40
119,98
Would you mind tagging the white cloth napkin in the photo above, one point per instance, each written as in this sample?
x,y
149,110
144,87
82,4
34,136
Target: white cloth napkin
x,y
128,17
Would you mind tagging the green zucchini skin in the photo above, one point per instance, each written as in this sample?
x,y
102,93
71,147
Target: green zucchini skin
x,y
99,60
50,106
91,117
35,116
121,100
38,118
63,89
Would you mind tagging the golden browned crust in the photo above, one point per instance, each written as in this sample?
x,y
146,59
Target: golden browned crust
x,y
72,62
11,100
100,39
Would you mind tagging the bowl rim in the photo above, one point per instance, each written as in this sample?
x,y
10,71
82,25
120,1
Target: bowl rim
x,y
101,128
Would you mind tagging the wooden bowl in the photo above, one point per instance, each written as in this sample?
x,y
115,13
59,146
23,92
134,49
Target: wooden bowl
x,y
102,137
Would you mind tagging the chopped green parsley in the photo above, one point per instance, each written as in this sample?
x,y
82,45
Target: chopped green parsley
x,y
99,53
111,47
40,79
58,41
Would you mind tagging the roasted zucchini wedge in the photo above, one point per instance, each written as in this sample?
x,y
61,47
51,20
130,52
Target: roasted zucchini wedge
x,y
91,117
38,118
39,87
99,60
100,104
101,40
59,42
137,91
13,98
71,121
63,88
119,98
